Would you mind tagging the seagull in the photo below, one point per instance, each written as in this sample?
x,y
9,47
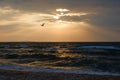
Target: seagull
x,y
43,24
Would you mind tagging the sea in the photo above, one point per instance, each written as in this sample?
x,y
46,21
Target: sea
x,y
85,56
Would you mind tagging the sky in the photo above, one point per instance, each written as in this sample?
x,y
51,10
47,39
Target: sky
x,y
65,20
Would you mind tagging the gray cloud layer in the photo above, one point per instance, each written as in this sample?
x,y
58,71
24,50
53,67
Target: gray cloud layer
x,y
107,11
104,20
46,5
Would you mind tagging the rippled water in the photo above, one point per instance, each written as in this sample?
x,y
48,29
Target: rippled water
x,y
61,55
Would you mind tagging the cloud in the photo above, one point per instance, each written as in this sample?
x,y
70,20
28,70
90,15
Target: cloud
x,y
102,14
10,28
7,13
109,19
72,18
106,20
51,5
62,10
107,11
9,16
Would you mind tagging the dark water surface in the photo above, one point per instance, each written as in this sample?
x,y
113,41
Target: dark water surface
x,y
101,56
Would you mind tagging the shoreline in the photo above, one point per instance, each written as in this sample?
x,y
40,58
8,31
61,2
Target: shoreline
x,y
30,75
55,70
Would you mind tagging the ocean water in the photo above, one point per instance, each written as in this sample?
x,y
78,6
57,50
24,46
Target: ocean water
x,y
97,56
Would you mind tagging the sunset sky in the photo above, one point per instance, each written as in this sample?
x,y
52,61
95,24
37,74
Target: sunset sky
x,y
65,20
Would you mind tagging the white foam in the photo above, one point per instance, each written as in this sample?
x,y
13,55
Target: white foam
x,y
98,47
37,69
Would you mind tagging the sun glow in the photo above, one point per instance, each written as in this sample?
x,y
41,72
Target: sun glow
x,y
62,10
56,17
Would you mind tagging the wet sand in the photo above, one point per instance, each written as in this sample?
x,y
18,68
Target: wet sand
x,y
30,75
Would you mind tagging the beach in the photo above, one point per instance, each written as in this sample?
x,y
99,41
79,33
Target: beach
x,y
30,75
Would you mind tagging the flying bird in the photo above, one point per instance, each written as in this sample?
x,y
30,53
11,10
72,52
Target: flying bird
x,y
43,24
